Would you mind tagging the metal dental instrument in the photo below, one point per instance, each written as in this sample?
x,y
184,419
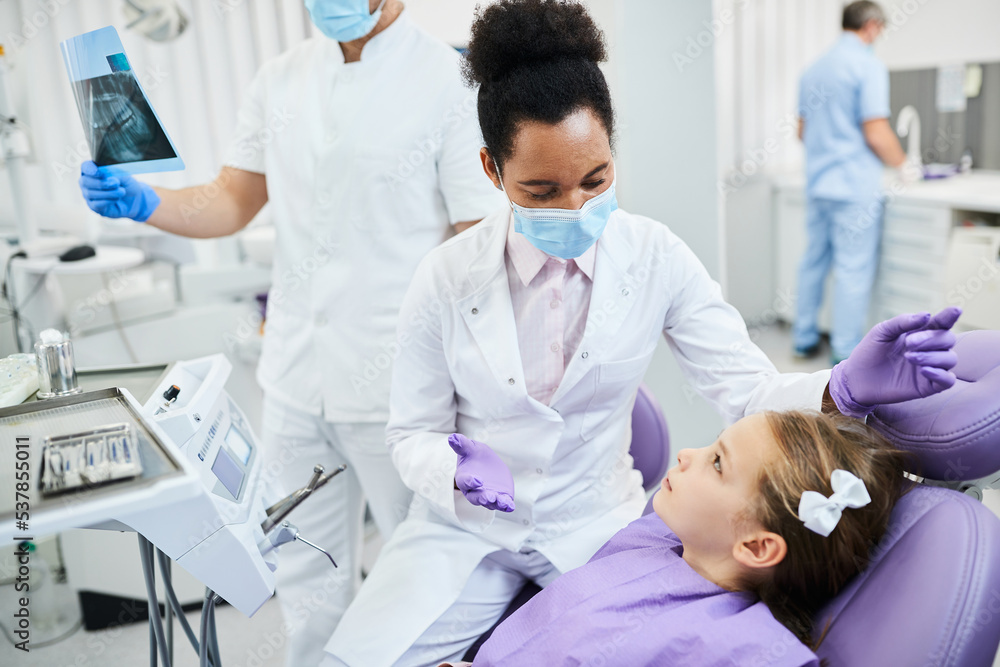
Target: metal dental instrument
x,y
277,512
288,533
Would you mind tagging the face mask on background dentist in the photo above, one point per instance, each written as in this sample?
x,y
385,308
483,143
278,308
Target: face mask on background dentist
x,y
560,182
344,20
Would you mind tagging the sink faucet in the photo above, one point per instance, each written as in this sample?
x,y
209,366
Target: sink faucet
x,y
908,124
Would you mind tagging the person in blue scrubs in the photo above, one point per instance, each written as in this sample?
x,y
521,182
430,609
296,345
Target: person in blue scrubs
x,y
844,123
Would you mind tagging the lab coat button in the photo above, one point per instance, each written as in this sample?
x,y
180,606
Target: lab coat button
x,y
510,380
475,311
624,291
525,522
584,355
554,304
538,470
555,347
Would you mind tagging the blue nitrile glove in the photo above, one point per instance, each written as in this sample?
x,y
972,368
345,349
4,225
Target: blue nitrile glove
x,y
481,476
115,194
907,357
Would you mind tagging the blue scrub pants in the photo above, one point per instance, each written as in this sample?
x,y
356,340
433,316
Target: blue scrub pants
x,y
846,235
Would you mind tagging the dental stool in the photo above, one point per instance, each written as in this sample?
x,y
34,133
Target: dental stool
x,y
650,450
932,593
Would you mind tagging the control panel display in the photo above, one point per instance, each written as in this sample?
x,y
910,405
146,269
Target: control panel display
x,y
228,472
238,444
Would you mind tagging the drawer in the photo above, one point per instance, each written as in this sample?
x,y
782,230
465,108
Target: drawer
x,y
889,305
924,220
915,246
901,269
891,289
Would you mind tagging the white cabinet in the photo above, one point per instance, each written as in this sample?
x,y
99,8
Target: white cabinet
x,y
910,276
928,259
911,265
972,276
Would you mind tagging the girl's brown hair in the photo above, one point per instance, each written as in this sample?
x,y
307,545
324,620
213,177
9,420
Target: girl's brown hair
x,y
811,446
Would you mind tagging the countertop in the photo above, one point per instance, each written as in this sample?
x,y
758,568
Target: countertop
x,y
978,190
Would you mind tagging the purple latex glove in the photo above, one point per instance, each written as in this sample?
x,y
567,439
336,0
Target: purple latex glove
x,y
899,360
481,476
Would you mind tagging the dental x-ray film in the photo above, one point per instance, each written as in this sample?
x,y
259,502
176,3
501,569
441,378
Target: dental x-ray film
x,y
121,127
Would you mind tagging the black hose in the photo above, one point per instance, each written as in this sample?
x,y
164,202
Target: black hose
x,y
168,588
149,574
152,644
206,609
215,635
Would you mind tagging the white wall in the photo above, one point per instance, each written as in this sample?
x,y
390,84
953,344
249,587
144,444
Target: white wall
x,y
928,33
761,48
666,160
448,20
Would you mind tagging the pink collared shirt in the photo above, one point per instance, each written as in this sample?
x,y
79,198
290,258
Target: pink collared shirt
x,y
551,297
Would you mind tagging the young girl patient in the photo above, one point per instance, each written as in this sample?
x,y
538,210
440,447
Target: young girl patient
x,y
749,538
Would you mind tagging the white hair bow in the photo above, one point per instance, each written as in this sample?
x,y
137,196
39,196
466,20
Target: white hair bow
x,y
821,514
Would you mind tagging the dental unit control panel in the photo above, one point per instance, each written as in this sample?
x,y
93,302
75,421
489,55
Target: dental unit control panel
x,y
225,536
215,534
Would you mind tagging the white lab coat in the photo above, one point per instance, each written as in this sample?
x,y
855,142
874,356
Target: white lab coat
x,y
459,369
367,163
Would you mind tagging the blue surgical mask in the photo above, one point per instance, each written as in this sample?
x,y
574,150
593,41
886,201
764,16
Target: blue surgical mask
x,y
565,233
343,20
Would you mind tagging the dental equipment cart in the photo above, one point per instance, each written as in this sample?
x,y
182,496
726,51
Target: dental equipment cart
x,y
182,469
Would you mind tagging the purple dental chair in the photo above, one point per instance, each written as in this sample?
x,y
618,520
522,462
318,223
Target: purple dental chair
x,y
931,596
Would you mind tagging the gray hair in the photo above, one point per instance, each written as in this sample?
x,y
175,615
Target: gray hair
x,y
857,14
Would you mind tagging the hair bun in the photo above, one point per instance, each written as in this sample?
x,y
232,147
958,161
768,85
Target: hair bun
x,y
512,33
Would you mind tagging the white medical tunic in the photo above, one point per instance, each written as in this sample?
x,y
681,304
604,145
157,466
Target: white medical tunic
x,y
367,163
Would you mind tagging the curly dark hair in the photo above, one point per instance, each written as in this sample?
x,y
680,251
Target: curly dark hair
x,y
535,60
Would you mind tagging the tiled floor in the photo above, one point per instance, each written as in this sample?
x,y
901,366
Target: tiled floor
x,y
255,642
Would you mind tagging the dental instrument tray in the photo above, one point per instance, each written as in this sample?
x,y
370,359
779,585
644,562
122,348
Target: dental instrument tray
x,y
89,458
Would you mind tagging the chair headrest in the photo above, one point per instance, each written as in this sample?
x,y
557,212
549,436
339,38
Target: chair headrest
x,y
650,439
955,434
941,546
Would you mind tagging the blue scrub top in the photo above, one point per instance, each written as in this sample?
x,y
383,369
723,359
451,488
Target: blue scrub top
x,y
845,87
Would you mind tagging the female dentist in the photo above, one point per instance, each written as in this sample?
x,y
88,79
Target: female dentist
x,y
523,342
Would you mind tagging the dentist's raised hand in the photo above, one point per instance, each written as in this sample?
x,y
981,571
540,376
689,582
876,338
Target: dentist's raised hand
x,y
115,194
907,357
481,476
